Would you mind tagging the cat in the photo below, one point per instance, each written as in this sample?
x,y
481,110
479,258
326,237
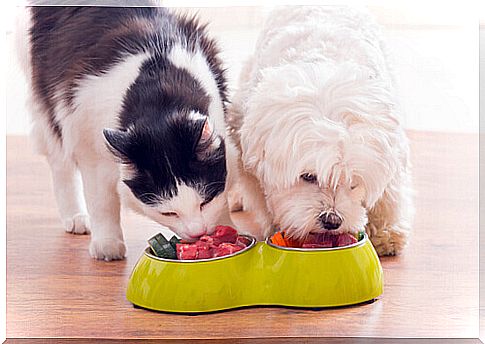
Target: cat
x,y
127,103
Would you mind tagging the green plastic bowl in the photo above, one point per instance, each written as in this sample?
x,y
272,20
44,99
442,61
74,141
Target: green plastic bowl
x,y
262,274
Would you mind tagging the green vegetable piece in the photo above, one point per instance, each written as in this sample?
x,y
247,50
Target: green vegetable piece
x,y
161,247
360,236
174,241
170,250
155,246
160,238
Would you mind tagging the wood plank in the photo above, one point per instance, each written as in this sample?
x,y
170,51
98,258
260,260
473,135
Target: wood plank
x,y
54,289
291,340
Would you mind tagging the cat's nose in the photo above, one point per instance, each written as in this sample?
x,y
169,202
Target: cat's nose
x,y
197,235
330,220
196,230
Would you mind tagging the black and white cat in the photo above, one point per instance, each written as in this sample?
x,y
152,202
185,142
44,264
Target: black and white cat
x,y
127,102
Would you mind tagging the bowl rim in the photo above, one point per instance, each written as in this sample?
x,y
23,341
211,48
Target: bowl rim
x,y
300,249
192,261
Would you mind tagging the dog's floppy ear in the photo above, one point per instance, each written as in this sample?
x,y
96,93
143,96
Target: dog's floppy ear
x,y
117,142
374,164
358,193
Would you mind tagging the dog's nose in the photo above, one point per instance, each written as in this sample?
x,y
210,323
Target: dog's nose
x,y
330,220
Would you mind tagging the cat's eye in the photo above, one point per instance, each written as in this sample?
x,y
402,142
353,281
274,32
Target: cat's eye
x,y
169,213
309,178
352,187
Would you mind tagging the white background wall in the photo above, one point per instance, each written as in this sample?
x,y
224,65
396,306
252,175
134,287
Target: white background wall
x,y
435,52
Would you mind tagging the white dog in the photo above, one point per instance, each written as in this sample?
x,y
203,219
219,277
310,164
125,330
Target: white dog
x,y
321,146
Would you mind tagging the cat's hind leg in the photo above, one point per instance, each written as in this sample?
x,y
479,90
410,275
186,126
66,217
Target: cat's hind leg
x,y
66,179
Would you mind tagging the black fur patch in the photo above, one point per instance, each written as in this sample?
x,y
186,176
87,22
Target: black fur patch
x,y
165,154
68,43
156,135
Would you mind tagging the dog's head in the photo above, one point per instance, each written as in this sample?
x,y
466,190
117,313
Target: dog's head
x,y
321,143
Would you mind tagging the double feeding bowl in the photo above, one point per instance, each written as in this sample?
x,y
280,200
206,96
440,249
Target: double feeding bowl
x,y
261,274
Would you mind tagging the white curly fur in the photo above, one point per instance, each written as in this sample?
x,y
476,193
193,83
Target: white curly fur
x,y
317,97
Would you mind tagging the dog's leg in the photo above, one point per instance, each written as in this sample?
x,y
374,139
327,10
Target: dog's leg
x,y
390,219
244,193
231,165
65,179
254,201
100,178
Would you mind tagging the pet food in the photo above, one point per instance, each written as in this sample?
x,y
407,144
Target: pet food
x,y
226,249
163,248
224,241
317,240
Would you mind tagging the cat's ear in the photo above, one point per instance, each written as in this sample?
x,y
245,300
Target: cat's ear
x,y
206,132
117,141
208,140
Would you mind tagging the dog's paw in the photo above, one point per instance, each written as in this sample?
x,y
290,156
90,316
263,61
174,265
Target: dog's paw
x,y
266,227
235,199
107,249
389,241
78,224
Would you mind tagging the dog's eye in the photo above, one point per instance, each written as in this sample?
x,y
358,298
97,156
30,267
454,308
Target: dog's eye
x,y
352,187
308,177
170,214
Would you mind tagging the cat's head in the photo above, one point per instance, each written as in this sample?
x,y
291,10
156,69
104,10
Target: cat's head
x,y
173,171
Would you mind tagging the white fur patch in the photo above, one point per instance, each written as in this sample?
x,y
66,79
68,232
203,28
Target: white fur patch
x,y
23,23
317,97
97,103
321,85
190,221
196,64
196,116
186,202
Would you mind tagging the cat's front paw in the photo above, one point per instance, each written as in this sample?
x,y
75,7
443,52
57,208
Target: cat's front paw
x,y
107,249
78,224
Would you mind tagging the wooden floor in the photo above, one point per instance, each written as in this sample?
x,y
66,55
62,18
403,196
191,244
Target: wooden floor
x,y
54,289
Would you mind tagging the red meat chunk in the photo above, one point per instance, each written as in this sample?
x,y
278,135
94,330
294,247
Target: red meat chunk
x,y
310,239
346,239
207,238
224,234
201,244
243,241
223,242
186,251
321,239
225,249
323,245
204,250
199,250
328,239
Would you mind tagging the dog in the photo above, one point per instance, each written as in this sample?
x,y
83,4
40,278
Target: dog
x,y
130,103
315,120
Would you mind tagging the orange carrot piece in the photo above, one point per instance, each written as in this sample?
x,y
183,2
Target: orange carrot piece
x,y
290,242
278,239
